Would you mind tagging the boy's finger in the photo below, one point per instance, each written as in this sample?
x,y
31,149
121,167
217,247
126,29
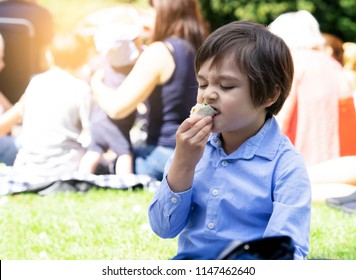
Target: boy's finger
x,y
203,134
195,124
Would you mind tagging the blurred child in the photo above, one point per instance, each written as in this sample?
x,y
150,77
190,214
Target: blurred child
x,y
235,176
54,110
117,46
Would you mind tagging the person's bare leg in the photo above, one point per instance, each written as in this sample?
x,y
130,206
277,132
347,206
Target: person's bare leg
x,y
89,162
320,192
341,170
124,164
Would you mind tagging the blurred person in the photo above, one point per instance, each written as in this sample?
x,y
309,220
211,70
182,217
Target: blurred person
x,y
334,181
54,111
21,51
310,115
334,47
349,58
163,77
8,147
116,45
347,114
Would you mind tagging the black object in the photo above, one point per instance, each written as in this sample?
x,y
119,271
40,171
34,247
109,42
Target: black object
x,y
347,204
18,36
349,208
268,248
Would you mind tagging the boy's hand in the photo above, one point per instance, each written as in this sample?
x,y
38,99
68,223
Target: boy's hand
x,y
191,138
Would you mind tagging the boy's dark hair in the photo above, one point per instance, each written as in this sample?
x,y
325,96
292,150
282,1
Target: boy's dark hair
x,y
69,51
261,55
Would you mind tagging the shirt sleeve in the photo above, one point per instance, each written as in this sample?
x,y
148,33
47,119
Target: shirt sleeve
x,y
168,212
292,205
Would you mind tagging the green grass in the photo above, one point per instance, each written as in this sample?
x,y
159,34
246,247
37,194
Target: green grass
x,y
112,224
333,234
100,224
109,224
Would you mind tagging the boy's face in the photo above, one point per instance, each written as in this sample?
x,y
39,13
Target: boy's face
x,y
226,89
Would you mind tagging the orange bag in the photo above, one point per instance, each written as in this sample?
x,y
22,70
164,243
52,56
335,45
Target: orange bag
x,y
347,126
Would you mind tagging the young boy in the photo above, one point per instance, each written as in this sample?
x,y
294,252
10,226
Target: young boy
x,y
235,176
119,47
54,110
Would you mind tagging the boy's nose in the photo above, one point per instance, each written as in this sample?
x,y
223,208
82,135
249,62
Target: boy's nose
x,y
209,93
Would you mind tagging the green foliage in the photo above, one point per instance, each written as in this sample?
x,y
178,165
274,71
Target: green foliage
x,y
336,17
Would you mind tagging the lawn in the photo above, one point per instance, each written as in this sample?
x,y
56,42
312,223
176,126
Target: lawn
x,y
112,224
100,224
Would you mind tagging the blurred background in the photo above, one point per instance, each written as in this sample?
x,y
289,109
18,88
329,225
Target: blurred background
x,y
335,17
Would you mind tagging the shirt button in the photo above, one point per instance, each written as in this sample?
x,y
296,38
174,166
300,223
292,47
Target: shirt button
x,y
174,200
211,225
224,163
217,142
215,192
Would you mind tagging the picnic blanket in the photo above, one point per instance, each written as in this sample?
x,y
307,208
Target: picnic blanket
x,y
15,184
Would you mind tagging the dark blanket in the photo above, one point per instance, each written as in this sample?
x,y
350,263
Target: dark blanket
x,y
10,184
347,204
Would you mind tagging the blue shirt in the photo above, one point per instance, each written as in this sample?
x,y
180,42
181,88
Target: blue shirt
x,y
262,189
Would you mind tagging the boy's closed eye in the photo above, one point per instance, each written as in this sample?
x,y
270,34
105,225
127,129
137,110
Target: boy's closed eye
x,y
223,87
226,88
203,86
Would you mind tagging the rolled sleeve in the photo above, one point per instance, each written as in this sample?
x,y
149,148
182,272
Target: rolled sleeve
x,y
292,208
168,212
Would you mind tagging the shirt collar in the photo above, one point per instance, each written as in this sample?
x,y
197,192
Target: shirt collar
x,y
264,144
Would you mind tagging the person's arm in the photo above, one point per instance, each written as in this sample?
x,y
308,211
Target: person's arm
x,y
169,210
10,118
154,67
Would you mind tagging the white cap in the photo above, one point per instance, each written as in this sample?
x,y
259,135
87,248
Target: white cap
x,y
116,43
298,29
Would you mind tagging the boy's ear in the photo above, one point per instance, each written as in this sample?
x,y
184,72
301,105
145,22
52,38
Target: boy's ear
x,y
271,100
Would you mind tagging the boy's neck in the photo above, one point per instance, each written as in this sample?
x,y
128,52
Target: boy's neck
x,y
231,141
